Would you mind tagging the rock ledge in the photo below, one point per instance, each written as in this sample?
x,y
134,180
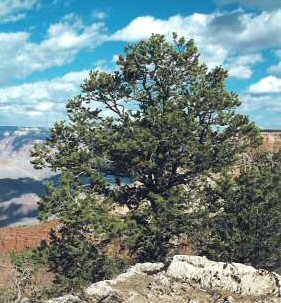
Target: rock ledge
x,y
187,279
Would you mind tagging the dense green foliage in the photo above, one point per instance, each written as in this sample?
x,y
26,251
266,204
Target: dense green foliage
x,y
161,120
243,216
78,250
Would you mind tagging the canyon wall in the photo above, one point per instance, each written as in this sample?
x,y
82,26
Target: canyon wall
x,y
18,239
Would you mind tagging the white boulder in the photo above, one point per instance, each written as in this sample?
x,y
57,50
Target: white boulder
x,y
99,290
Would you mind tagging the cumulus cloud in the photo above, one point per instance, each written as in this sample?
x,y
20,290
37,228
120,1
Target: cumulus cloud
x,y
219,35
234,39
21,57
57,89
241,67
14,10
193,26
41,98
260,4
267,85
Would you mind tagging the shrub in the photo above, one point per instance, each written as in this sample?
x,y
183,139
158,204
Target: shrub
x,y
243,216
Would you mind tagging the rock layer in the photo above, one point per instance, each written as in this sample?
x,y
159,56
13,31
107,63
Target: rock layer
x,y
18,239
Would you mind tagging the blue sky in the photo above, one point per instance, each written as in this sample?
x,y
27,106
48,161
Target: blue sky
x,y
48,47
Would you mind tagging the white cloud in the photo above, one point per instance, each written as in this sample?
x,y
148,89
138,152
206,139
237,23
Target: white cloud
x,y
41,98
240,72
261,103
259,31
57,89
193,26
261,4
42,103
219,35
21,57
44,106
133,32
14,10
275,69
241,67
267,85
264,109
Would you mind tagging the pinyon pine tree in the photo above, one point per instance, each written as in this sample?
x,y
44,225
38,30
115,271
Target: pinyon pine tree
x,y
162,119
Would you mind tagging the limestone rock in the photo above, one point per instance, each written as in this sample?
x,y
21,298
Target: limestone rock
x,y
233,277
149,268
188,279
104,290
138,269
100,291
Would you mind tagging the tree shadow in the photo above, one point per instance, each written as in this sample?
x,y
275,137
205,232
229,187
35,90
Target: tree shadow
x,y
12,206
14,188
13,214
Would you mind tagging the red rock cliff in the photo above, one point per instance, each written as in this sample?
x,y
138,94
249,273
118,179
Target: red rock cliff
x,y
17,239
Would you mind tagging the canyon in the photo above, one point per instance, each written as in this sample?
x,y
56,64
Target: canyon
x,y
17,239
21,187
20,184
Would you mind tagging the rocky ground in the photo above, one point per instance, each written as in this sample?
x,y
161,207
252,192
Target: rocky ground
x,y
186,279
